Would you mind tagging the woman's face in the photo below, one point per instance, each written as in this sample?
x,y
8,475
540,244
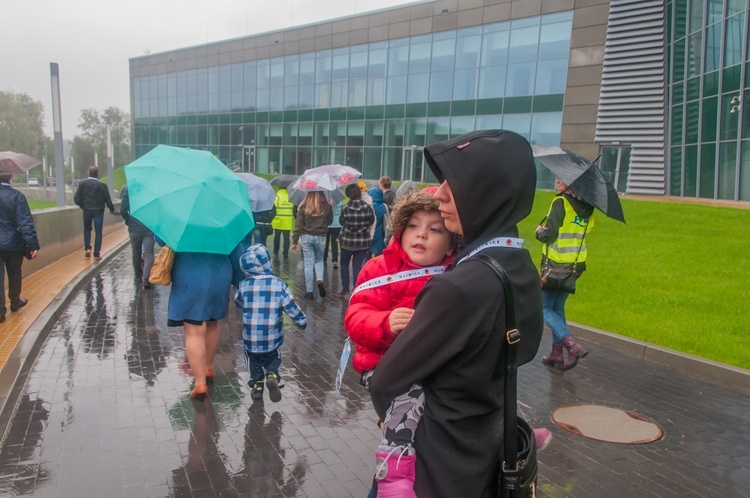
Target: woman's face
x,y
448,210
425,239
560,186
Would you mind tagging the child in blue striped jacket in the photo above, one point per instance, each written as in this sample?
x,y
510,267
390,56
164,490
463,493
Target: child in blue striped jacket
x,y
262,297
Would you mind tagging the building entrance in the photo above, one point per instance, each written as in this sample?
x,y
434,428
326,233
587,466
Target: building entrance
x,y
412,164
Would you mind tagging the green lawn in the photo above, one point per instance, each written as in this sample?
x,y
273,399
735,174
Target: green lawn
x,y
119,177
39,204
673,275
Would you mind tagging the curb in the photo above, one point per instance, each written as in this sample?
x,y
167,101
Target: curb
x,y
721,372
16,369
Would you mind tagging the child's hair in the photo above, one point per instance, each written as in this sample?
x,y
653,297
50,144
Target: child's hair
x,y
353,192
313,204
410,204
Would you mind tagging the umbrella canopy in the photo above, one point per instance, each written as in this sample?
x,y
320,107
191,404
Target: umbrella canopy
x,y
329,178
262,195
583,177
189,199
16,162
283,181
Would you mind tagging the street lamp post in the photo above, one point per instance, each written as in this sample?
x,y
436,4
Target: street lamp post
x,y
110,160
57,126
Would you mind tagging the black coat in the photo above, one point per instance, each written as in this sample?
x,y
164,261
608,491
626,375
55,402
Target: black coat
x,y
454,350
93,195
133,224
16,223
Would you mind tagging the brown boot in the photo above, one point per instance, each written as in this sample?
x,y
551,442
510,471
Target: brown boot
x,y
575,351
555,358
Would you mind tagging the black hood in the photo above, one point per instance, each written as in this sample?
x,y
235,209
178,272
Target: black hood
x,y
493,178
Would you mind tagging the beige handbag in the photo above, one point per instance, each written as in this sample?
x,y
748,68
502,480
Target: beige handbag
x,y
161,272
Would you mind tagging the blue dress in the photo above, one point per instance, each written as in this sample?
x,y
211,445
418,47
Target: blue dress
x,y
200,286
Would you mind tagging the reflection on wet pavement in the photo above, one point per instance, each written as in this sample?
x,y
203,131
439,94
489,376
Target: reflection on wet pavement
x,y
104,412
105,409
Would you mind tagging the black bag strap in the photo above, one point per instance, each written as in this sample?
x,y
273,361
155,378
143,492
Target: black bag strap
x,y
507,362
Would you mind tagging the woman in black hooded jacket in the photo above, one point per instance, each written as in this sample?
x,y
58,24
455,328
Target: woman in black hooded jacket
x,y
488,181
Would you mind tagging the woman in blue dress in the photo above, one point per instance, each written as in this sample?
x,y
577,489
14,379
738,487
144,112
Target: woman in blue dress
x,y
198,299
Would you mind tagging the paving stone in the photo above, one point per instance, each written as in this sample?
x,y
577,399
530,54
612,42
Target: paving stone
x,y
104,411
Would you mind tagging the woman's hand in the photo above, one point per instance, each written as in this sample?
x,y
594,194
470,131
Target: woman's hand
x,y
399,318
294,248
33,253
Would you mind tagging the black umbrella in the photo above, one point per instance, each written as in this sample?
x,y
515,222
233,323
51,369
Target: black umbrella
x,y
283,181
583,177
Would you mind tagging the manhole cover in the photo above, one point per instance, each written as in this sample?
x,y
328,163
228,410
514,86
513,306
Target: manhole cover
x,y
607,424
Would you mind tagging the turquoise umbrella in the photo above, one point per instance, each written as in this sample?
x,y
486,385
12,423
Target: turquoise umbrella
x,y
189,199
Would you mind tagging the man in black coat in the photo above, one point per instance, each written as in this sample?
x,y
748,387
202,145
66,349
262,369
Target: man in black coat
x,y
91,196
17,233
487,180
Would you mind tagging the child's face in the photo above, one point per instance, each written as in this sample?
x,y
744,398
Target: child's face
x,y
425,239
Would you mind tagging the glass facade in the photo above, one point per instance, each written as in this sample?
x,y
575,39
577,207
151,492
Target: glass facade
x,y
709,93
373,106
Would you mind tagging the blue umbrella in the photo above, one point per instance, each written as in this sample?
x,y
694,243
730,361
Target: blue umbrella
x,y
189,199
262,195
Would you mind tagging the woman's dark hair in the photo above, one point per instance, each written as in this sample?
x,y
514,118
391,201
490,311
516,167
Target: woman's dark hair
x,y
352,192
5,178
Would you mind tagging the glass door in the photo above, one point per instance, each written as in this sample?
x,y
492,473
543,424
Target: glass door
x,y
412,164
248,158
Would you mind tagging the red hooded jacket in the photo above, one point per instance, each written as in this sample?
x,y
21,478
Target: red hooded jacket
x,y
366,319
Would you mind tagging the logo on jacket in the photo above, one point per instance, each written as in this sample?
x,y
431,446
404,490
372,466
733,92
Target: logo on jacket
x,y
580,221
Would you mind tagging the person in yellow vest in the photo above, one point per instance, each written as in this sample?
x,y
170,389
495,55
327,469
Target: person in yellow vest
x,y
563,232
283,222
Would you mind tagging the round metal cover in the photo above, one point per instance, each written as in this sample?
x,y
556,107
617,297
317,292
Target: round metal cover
x,y
611,425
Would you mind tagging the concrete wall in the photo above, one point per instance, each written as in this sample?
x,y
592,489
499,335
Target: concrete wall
x,y
60,232
39,194
584,77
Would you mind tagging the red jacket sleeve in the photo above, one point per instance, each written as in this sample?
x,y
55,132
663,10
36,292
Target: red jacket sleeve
x,y
366,319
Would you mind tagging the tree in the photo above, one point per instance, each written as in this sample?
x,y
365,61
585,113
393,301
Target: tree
x,y
83,153
94,128
21,123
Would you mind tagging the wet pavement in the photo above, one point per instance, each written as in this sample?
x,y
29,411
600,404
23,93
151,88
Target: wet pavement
x,y
104,412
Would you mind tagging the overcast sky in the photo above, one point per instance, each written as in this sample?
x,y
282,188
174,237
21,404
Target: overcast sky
x,y
92,40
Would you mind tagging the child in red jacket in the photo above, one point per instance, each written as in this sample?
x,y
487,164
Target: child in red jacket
x,y
379,309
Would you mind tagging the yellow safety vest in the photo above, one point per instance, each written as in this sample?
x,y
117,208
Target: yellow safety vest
x,y
570,237
284,219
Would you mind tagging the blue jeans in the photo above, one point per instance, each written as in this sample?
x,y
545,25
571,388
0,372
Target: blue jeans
x,y
358,259
259,234
312,247
256,362
553,305
97,216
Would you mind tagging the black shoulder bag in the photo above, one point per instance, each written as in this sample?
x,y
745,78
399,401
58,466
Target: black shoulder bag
x,y
518,464
560,276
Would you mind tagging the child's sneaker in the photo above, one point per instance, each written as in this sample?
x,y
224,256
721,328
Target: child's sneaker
x,y
272,381
256,389
542,437
394,471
